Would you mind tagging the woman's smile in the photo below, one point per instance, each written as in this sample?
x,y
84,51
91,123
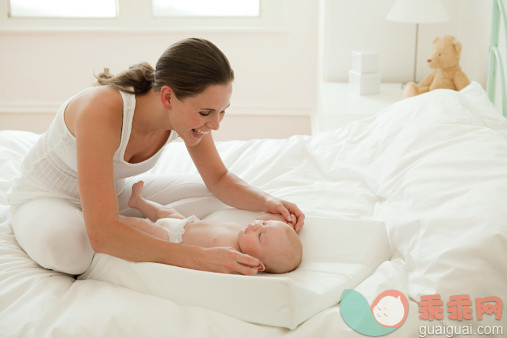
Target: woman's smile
x,y
199,133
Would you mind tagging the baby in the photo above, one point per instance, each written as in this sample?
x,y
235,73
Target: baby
x,y
269,238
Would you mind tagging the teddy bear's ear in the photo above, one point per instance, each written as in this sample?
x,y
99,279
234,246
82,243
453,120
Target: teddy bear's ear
x,y
457,45
436,40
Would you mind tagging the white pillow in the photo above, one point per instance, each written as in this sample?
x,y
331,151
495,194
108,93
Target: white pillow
x,y
337,254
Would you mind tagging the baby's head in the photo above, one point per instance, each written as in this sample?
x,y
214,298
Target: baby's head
x,y
275,243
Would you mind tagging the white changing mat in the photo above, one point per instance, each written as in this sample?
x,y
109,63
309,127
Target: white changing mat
x,y
337,254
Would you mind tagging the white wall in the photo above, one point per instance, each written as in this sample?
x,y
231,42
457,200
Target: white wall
x,y
361,24
473,30
276,70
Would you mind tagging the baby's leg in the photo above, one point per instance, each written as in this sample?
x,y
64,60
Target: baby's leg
x,y
185,193
167,212
146,226
150,209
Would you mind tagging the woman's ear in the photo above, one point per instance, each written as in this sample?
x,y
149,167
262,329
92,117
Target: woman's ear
x,y
262,267
166,96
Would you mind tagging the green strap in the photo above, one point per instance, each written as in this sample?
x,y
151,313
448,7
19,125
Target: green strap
x,y
495,56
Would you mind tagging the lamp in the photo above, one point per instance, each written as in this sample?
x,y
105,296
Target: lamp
x,y
417,11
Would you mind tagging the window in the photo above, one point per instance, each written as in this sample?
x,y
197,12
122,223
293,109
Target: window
x,y
63,8
141,15
205,8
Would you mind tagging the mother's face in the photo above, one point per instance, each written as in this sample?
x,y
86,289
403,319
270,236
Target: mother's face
x,y
195,116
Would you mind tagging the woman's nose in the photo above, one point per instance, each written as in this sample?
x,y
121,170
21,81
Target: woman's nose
x,y
214,122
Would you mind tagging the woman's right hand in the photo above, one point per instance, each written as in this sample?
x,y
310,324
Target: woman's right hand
x,y
227,260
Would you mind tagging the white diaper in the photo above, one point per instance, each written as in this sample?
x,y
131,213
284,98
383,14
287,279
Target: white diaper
x,y
175,227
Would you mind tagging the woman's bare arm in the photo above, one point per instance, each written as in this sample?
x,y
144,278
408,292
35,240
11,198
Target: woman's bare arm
x,y
223,184
235,192
146,226
97,129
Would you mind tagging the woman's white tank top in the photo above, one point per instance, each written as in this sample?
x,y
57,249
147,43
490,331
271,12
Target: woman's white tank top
x,y
50,167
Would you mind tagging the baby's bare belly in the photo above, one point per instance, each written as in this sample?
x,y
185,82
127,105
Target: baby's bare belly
x,y
212,233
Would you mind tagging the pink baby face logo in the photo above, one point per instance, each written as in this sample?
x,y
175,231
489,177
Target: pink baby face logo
x,y
386,314
390,308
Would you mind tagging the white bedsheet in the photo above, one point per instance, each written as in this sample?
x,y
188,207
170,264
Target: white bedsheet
x,y
433,167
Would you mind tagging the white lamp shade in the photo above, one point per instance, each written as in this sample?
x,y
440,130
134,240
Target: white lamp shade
x,y
418,11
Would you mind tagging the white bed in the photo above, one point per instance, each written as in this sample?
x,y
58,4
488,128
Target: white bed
x,y
432,167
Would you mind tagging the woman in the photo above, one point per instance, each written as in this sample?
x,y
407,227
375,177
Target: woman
x,y
66,206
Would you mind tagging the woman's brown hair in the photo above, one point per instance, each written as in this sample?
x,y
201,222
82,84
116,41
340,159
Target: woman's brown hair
x,y
188,67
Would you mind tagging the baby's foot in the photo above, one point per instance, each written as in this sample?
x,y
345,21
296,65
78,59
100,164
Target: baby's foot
x,y
137,190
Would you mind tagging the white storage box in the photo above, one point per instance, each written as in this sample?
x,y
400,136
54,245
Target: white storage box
x,y
364,84
364,61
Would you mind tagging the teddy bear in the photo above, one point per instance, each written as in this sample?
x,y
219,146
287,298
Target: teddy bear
x,y
447,73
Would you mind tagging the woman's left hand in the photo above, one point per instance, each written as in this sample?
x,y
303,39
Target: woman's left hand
x,y
288,210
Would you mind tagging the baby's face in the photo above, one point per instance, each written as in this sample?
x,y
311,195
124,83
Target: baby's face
x,y
263,238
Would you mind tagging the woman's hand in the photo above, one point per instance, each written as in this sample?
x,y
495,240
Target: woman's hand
x,y
288,210
228,260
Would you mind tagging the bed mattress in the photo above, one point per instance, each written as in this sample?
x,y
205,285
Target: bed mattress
x,y
432,168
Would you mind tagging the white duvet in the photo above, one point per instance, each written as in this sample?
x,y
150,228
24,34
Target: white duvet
x,y
433,168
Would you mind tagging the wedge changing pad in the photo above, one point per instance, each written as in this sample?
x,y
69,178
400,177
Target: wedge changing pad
x,y
337,254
